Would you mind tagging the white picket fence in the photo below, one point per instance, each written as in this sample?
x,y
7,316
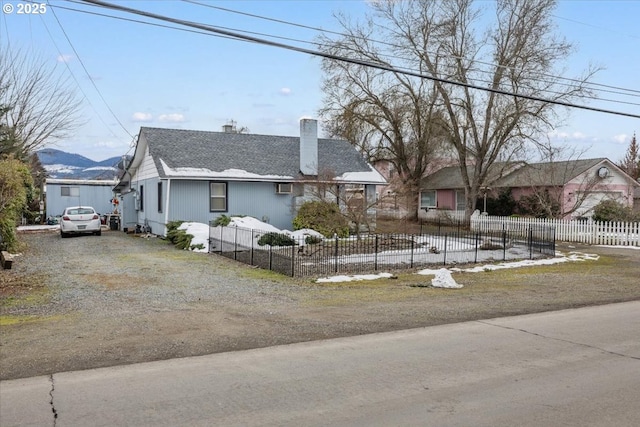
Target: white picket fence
x,y
589,232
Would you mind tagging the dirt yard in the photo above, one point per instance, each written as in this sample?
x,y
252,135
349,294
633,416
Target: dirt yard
x,y
88,301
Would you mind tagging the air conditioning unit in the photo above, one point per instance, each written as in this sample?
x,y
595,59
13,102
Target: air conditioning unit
x,y
284,188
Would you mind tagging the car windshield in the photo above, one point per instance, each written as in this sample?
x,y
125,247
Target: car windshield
x,y
80,211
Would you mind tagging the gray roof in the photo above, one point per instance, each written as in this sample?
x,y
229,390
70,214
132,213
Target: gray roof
x,y
515,174
548,174
451,178
256,154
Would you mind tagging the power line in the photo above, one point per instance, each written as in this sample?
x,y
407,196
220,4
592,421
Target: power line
x,y
379,66
74,77
384,43
210,6
89,75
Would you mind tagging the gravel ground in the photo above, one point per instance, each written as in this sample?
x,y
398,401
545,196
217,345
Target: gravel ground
x,y
89,301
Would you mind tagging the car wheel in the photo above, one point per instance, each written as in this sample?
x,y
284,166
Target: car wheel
x,y
98,233
63,234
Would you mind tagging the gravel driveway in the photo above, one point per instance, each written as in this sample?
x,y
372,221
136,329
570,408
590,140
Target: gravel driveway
x,y
89,301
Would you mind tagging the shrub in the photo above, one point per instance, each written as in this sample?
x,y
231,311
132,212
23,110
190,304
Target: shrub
x,y
275,239
324,217
539,206
16,184
610,210
178,237
183,240
172,230
312,240
224,220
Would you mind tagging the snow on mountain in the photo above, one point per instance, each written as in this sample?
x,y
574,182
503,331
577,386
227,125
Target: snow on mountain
x,y
63,165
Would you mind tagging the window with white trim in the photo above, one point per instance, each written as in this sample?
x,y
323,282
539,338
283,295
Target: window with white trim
x,y
428,199
461,200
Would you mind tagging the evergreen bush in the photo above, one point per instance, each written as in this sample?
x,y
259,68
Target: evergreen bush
x,y
323,217
275,239
610,210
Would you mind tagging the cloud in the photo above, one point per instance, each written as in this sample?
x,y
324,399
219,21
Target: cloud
x,y
285,91
621,139
142,117
173,118
64,58
574,136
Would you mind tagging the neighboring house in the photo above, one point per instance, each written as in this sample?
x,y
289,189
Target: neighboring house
x,y
577,185
198,176
61,193
394,196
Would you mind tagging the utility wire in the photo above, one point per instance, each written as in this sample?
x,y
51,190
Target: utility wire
x,y
395,46
380,66
384,43
75,79
89,75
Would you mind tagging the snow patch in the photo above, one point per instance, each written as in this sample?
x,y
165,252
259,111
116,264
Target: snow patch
x,y
442,278
356,277
227,173
200,233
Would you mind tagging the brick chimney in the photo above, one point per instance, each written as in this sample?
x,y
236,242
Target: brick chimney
x,y
309,146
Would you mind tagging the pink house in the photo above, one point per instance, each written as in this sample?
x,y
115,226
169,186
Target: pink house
x,y
575,186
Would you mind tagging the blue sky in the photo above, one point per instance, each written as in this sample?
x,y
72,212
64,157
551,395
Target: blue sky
x,y
152,76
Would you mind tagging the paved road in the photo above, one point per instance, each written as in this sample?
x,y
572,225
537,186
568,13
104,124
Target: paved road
x,y
572,368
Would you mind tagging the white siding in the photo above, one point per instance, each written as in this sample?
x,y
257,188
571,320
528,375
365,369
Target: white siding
x,y
147,168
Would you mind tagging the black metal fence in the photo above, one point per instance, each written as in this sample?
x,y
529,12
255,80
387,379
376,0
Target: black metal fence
x,y
306,256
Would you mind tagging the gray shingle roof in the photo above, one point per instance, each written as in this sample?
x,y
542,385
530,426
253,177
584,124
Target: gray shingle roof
x,y
257,154
548,174
514,175
451,178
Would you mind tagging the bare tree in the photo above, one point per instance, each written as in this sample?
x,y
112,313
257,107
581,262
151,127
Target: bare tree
x,y
517,54
40,106
357,203
387,116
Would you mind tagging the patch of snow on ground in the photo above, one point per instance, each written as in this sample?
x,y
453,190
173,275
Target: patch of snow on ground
x,y
335,279
560,258
442,279
252,224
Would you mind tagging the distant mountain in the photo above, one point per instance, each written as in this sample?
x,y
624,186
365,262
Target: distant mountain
x,y
62,165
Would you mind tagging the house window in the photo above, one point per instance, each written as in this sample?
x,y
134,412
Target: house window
x,y
461,201
70,191
160,197
142,197
428,199
218,196
284,188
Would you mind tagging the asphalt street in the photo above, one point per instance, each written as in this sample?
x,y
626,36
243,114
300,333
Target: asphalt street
x,y
577,367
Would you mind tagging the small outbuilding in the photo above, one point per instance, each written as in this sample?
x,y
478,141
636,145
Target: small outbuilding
x,y
61,193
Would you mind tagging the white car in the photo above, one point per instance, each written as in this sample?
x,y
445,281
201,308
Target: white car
x,y
79,220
